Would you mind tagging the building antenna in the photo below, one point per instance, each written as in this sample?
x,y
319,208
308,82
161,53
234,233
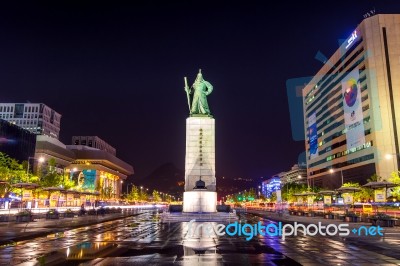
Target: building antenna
x,y
370,13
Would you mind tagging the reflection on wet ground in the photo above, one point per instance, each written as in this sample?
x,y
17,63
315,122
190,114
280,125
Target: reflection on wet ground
x,y
143,240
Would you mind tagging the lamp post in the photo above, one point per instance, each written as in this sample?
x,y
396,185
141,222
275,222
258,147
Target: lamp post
x,y
40,160
127,187
390,156
341,173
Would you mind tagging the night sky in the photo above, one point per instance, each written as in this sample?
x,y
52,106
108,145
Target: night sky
x,y
116,71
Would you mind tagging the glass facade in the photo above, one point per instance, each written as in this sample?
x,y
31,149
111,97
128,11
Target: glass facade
x,y
18,143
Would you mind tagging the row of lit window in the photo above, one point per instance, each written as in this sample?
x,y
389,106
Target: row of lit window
x,y
23,122
326,82
342,153
328,75
336,144
29,109
343,164
9,116
337,134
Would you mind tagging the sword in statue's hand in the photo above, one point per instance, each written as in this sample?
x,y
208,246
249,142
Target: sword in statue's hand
x,y
187,92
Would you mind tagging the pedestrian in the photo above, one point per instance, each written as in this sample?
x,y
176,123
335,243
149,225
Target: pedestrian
x,y
82,211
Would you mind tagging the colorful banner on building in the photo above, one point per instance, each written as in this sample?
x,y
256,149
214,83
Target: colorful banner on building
x,y
89,179
352,107
380,195
84,179
313,135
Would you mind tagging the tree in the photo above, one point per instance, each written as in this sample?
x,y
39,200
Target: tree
x,y
11,171
134,194
143,196
374,178
51,178
67,183
289,189
395,178
251,195
107,192
156,196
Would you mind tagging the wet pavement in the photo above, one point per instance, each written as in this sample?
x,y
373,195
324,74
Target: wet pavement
x,y
143,240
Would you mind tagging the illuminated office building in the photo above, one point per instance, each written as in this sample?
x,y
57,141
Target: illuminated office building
x,y
38,118
352,107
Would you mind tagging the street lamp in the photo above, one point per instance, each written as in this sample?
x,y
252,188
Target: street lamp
x,y
341,173
127,187
40,160
388,156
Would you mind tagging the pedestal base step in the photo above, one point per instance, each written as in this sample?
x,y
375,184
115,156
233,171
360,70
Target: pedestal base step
x,y
177,217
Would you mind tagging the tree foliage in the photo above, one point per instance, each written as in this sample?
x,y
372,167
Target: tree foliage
x,y
107,192
11,172
156,196
395,178
133,194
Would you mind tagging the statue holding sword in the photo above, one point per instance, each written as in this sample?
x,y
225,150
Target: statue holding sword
x,y
200,89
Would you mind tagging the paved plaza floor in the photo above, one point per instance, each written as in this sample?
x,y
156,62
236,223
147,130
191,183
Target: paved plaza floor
x,y
144,240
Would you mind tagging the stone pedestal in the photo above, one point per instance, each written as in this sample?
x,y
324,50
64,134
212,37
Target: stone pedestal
x,y
200,152
199,201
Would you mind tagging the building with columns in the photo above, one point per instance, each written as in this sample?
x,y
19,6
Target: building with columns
x,y
98,170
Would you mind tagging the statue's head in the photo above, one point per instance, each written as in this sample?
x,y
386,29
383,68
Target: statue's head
x,y
199,77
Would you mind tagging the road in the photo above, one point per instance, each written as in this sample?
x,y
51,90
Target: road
x,y
143,240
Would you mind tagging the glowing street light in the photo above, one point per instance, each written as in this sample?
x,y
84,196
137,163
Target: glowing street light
x,y
40,160
341,173
388,156
299,176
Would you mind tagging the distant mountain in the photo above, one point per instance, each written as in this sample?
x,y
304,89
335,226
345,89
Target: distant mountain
x,y
166,178
169,179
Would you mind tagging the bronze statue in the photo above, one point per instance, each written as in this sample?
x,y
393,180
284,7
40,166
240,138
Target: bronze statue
x,y
200,89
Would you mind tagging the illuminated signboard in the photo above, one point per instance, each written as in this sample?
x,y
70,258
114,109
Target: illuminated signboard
x,y
273,185
351,39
